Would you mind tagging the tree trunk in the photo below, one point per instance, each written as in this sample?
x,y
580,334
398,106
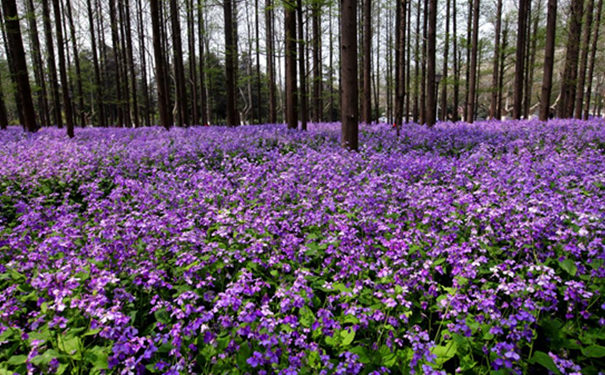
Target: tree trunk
x,y
270,61
520,58
143,59
366,104
98,89
473,68
570,71
495,77
74,45
159,64
16,55
400,28
131,62
179,72
3,114
301,67
592,59
417,64
469,29
502,61
203,97
348,71
583,60
63,71
291,90
445,59
192,62
532,59
52,69
431,110
317,79
456,63
230,64
549,52
423,102
37,64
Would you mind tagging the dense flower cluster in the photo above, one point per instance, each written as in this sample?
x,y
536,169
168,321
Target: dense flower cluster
x,y
461,248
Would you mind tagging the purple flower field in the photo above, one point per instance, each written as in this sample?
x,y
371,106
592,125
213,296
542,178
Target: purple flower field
x,y
474,249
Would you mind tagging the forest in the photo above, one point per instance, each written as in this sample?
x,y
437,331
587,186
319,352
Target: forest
x,y
302,187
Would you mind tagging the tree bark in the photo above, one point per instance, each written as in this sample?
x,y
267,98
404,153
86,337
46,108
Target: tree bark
x,y
203,97
270,61
469,29
495,76
52,69
63,71
98,89
179,72
549,53
143,59
520,58
348,71
16,55
366,106
456,63
74,45
291,90
473,68
592,59
400,29
570,71
445,62
583,60
35,48
423,68
431,110
301,67
230,64
159,64
417,64
317,79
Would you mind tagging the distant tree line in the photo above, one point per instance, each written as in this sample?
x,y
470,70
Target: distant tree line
x,y
188,62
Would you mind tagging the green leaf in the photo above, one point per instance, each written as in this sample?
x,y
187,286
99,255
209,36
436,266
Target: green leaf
x,y
306,316
362,353
444,352
545,361
348,335
569,266
594,351
17,360
45,358
97,356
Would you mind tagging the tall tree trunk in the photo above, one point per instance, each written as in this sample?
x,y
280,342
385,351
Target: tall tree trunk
x,y
16,55
502,61
532,59
201,33
230,64
520,58
469,29
52,69
192,62
423,101
317,80
301,67
74,45
473,68
131,63
270,61
3,114
160,67
593,52
570,71
583,60
41,96
143,60
400,28
445,61
431,110
408,61
456,62
179,72
117,48
549,52
259,113
348,71
366,104
63,71
495,77
291,90
98,89
417,64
